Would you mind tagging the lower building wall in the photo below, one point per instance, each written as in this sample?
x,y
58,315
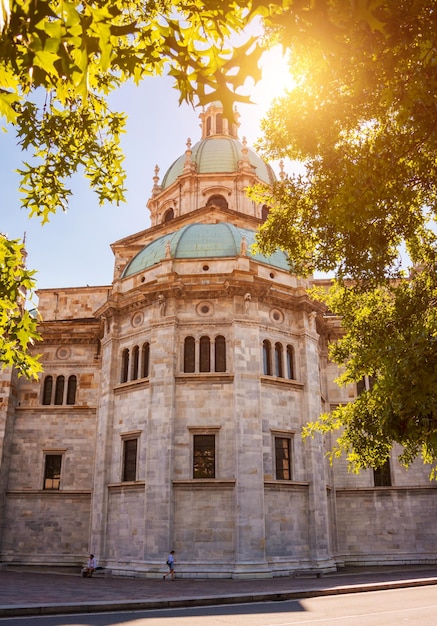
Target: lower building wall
x,y
126,524
287,527
204,526
49,528
387,525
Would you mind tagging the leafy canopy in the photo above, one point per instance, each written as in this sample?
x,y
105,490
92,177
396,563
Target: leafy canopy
x,y
363,120
18,327
59,60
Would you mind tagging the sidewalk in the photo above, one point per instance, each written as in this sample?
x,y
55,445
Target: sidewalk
x,y
48,593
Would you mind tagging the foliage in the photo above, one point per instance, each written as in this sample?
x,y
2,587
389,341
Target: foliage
x,y
363,120
390,336
59,60
18,326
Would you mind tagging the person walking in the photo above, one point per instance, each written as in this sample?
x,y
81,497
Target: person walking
x,y
170,564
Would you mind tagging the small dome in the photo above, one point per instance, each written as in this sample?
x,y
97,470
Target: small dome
x,y
202,241
216,155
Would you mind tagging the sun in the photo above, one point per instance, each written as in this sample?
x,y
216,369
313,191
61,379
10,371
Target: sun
x,y
276,78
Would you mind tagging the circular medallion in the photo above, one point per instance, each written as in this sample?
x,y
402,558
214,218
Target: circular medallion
x,y
276,316
137,319
205,309
63,353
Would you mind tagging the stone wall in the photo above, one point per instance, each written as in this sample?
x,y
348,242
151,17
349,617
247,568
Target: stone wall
x,y
384,525
126,525
287,524
71,303
43,522
46,527
204,525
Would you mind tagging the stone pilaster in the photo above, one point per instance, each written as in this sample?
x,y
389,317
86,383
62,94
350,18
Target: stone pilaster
x,y
318,514
105,417
250,558
159,514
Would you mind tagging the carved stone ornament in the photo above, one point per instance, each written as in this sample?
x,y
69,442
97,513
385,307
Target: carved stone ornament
x,y
63,353
205,309
276,316
137,319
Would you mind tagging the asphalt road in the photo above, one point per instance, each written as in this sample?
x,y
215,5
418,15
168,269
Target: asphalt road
x,y
414,606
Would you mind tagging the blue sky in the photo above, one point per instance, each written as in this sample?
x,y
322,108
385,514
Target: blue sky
x,y
73,249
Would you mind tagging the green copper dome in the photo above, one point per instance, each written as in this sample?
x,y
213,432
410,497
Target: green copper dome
x,y
216,155
202,241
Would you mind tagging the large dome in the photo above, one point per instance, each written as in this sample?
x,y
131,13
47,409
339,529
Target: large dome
x,y
216,155
202,241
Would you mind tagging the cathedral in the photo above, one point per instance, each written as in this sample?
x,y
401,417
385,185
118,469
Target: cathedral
x,y
170,410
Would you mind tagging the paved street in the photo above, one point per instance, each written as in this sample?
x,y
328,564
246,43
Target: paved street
x,y
416,606
45,593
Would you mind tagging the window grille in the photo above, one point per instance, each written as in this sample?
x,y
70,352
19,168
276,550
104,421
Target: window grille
x,y
283,458
203,456
130,447
52,471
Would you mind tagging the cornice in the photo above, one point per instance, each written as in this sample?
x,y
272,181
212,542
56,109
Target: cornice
x,y
53,339
194,287
195,484
70,331
282,382
49,493
137,485
287,485
204,377
62,409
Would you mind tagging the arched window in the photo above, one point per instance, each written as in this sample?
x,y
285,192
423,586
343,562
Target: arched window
x,y
290,363
267,363
220,354
204,355
278,360
168,215
219,123
47,390
135,362
217,200
125,365
264,212
59,390
208,126
71,390
189,359
145,353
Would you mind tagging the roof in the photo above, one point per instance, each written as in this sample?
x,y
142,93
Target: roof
x,y
202,241
219,154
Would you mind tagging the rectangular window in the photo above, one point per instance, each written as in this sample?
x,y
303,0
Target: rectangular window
x,y
382,475
365,384
130,447
283,458
203,456
52,471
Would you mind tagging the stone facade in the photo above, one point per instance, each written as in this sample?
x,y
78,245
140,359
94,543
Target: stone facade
x,y
170,410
